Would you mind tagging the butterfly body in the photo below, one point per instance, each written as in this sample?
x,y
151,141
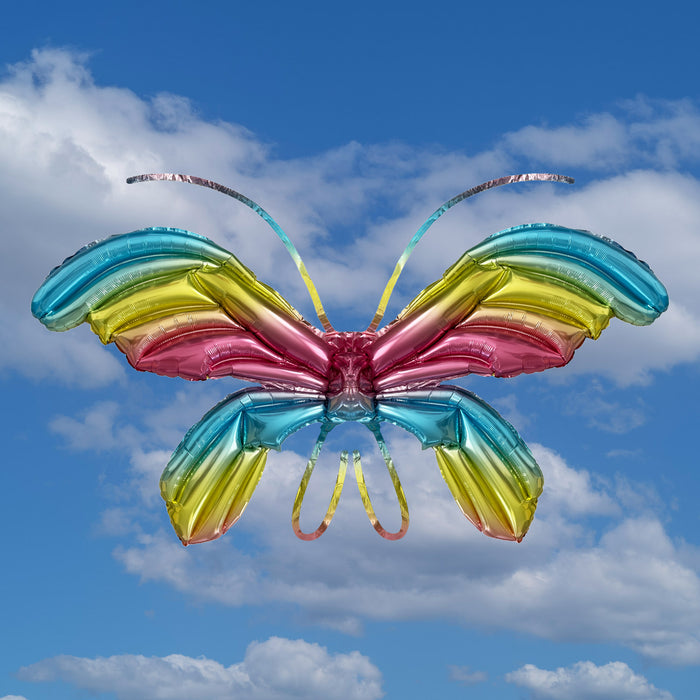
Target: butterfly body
x,y
350,393
521,301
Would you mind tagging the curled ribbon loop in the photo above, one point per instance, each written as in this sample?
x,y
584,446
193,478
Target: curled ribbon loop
x,y
367,503
340,480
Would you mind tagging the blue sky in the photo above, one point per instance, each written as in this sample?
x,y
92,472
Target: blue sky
x,y
350,125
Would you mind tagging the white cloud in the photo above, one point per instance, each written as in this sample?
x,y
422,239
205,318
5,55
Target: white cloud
x,y
13,697
66,358
601,140
608,415
95,432
162,420
272,670
507,406
570,492
465,676
659,133
586,681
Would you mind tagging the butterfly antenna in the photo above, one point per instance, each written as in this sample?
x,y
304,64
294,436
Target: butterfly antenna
x,y
192,180
508,180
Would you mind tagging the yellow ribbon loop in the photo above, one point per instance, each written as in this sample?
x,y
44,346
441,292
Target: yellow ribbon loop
x,y
367,503
335,497
340,481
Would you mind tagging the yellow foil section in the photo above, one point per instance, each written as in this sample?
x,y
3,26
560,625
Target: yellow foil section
x,y
498,500
150,302
206,501
550,297
335,496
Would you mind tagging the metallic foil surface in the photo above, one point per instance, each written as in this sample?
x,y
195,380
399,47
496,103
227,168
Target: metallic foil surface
x,y
522,301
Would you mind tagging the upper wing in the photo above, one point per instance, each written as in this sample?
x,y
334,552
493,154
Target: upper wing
x,y
177,304
521,301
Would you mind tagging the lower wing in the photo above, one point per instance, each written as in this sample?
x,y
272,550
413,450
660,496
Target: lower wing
x,y
489,469
212,474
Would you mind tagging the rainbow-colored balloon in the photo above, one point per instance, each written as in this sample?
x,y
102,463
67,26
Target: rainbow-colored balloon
x,y
177,304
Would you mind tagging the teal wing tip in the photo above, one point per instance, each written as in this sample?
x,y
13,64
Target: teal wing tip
x,y
43,302
661,305
35,307
595,254
91,266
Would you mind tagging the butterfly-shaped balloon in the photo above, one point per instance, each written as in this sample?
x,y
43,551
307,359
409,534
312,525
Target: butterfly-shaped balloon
x,y
177,304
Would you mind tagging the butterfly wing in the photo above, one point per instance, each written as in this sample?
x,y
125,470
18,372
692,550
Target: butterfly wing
x,y
488,468
521,301
179,305
215,469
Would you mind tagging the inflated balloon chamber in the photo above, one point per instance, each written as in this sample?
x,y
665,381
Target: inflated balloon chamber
x,y
177,304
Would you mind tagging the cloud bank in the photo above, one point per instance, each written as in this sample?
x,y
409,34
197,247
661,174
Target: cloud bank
x,y
276,669
586,681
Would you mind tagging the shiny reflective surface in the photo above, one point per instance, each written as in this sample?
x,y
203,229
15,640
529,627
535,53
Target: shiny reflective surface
x,y
179,305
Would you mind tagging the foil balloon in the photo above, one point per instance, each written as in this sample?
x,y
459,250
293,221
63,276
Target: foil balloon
x,y
177,304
